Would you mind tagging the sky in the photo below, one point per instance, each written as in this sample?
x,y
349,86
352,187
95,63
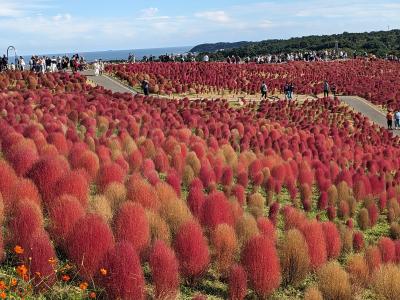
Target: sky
x,y
58,26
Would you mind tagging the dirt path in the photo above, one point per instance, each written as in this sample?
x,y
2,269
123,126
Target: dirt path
x,y
107,82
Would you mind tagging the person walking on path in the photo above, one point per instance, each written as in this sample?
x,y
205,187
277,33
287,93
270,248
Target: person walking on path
x,y
291,91
389,118
326,89
145,87
286,91
264,90
397,119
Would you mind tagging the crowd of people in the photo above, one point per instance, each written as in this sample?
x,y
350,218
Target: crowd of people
x,y
43,64
289,88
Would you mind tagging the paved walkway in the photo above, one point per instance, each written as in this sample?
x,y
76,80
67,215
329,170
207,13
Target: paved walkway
x,y
107,82
367,109
358,104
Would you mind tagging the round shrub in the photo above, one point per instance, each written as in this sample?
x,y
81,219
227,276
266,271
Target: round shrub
x,y
315,239
64,212
261,262
385,282
237,284
131,224
216,210
387,249
225,246
191,250
87,243
124,278
75,184
140,191
294,258
332,239
358,270
164,270
333,282
109,173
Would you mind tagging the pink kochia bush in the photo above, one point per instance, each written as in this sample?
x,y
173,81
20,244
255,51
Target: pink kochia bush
x,y
46,172
124,278
131,224
191,250
88,242
37,254
73,183
261,262
109,173
165,271
64,212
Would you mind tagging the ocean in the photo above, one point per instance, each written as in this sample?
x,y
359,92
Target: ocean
x,y
117,54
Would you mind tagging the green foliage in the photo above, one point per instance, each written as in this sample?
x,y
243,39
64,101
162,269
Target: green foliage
x,y
379,43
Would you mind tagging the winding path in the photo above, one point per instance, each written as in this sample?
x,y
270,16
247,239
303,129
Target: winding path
x,y
107,82
356,103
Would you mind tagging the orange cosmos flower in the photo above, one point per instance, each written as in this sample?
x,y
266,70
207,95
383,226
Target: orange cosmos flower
x,y
18,249
92,295
22,270
52,261
83,286
14,282
103,271
3,295
2,285
65,278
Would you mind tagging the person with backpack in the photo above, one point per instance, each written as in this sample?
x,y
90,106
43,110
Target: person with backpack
x,y
264,90
389,118
326,89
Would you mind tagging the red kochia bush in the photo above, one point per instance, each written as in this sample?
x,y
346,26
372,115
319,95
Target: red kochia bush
x,y
332,238
26,219
7,182
131,225
164,268
88,242
266,228
89,161
237,283
73,183
64,212
140,191
358,241
191,249
23,158
388,250
37,254
109,173
59,141
261,262
46,172
315,239
25,189
124,278
217,210
195,200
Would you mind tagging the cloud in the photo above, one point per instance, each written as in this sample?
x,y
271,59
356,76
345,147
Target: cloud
x,y
218,16
149,12
18,8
